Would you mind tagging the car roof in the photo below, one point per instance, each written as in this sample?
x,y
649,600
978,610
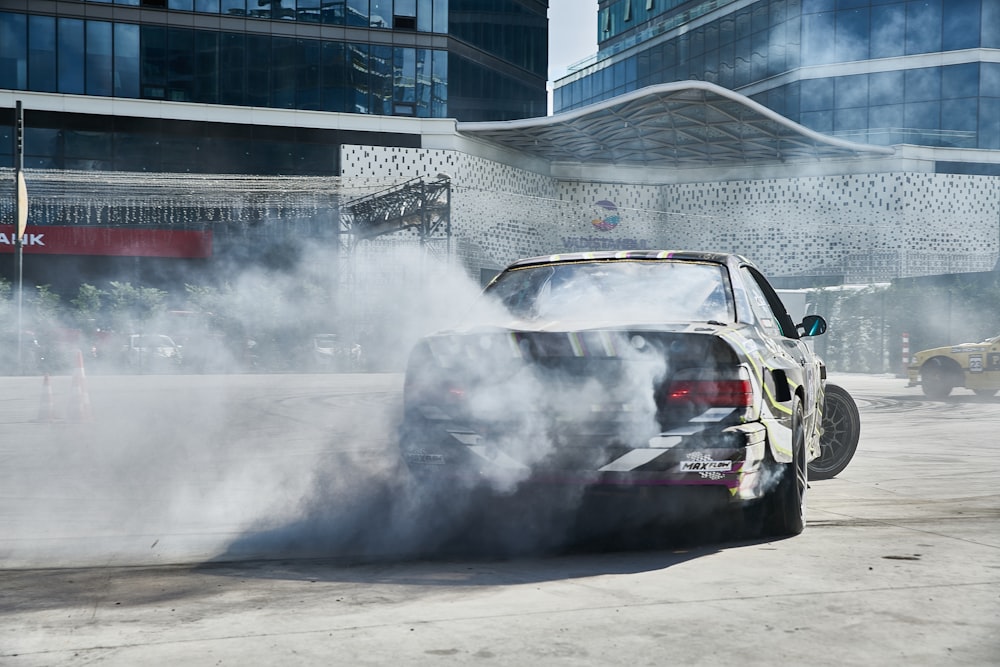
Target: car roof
x,y
611,255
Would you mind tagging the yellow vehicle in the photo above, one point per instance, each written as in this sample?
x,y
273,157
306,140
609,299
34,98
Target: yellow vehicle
x,y
975,366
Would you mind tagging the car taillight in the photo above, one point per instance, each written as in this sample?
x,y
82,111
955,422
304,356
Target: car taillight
x,y
734,393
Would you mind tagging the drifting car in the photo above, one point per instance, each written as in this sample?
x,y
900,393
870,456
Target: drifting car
x,y
630,371
975,366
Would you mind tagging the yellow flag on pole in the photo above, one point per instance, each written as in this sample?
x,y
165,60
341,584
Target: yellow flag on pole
x,y
22,205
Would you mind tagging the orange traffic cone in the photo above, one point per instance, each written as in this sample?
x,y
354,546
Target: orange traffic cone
x,y
80,407
46,409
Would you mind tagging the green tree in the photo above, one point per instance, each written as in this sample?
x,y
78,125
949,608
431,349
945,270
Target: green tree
x,y
45,307
7,305
206,299
130,308
89,303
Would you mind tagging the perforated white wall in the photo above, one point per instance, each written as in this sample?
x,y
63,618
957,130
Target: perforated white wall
x,y
862,227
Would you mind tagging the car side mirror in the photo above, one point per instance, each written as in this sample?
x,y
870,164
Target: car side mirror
x,y
812,325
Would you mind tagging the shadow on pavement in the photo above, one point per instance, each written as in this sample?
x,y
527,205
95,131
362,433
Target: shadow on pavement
x,y
409,537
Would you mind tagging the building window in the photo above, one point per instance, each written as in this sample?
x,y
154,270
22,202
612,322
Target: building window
x,y
439,21
404,81
307,94
888,31
358,79
357,13
923,27
71,56
334,83
404,15
380,79
308,11
233,8
439,86
42,53
425,15
381,14
153,50
180,65
13,51
424,82
232,69
962,24
283,73
206,67
98,59
126,60
258,70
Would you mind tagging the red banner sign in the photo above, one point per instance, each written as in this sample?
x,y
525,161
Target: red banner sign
x,y
114,241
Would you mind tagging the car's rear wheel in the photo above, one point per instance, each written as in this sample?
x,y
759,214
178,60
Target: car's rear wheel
x,y
936,379
841,432
781,512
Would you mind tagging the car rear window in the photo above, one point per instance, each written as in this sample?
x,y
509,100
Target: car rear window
x,y
630,290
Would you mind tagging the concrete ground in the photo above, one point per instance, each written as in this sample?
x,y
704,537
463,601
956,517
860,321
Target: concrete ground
x,y
250,520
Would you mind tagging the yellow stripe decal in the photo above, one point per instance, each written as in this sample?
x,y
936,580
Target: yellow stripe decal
x,y
609,344
515,346
738,342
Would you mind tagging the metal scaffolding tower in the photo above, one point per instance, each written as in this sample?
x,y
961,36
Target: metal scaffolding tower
x,y
420,204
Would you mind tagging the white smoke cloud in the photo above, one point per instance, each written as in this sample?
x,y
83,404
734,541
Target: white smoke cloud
x,y
181,467
360,505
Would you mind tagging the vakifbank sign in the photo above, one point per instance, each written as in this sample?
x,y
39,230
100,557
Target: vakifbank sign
x,y
108,241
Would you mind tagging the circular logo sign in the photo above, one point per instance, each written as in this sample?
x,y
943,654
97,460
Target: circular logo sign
x,y
605,216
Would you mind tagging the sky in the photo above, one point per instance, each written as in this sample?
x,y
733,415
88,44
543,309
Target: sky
x,y
572,33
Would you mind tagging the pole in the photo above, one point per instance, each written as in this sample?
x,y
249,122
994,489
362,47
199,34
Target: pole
x,y
19,272
20,221
447,212
906,355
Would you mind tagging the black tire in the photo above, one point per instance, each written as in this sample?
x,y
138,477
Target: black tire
x,y
781,513
936,379
840,434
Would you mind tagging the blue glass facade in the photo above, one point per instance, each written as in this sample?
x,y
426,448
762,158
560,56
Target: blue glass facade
x,y
865,70
419,58
420,15
82,56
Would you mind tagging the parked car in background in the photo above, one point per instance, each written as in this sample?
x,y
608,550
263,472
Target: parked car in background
x,y
330,353
151,353
975,366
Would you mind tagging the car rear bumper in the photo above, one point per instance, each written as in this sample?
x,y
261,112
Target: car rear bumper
x,y
731,460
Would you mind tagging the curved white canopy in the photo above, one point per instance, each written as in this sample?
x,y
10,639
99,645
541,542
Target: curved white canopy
x,y
682,124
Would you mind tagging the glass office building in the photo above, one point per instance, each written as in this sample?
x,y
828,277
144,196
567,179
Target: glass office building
x,y
923,72
462,59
